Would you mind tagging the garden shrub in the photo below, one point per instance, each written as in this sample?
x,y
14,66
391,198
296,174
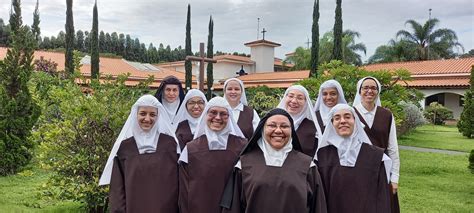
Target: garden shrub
x,y
437,114
471,161
413,118
466,121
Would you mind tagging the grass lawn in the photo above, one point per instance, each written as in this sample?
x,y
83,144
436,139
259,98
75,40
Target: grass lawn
x,y
433,182
437,137
20,193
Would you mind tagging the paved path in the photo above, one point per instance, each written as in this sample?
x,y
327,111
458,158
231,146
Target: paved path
x,y
419,149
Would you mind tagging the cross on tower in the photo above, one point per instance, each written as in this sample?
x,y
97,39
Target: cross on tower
x,y
263,32
202,58
308,43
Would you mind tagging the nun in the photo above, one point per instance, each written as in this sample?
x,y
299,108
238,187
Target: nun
x,y
171,95
246,117
330,94
354,172
297,103
141,168
380,127
272,175
207,161
188,116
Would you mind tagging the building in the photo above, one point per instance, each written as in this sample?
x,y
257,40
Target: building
x,y
262,60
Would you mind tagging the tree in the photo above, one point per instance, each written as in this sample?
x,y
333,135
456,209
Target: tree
x,y
69,64
80,41
187,64
15,16
210,54
393,52
301,59
102,45
428,42
95,44
315,40
337,47
466,121
35,27
18,111
87,41
349,47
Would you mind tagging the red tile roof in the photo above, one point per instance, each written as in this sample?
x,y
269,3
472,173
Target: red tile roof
x,y
271,79
110,66
434,73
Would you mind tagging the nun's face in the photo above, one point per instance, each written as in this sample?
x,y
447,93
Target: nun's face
x,y
217,118
369,91
147,116
295,101
330,96
171,92
233,92
195,106
343,121
277,131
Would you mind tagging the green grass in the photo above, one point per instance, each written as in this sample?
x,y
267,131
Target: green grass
x,y
433,182
21,193
437,137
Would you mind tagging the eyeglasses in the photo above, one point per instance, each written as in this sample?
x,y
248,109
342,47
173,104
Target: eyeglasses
x,y
273,127
367,88
297,98
192,103
214,113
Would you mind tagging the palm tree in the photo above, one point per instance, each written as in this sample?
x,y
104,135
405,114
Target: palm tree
x,y
394,51
430,43
350,48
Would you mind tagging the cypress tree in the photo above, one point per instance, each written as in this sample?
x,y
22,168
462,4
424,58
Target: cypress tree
x,y
35,26
466,121
315,41
15,16
80,40
337,48
95,44
69,63
210,54
18,111
187,64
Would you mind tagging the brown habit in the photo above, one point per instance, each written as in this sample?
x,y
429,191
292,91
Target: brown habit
x,y
245,122
292,188
379,135
306,133
362,188
145,182
203,178
183,134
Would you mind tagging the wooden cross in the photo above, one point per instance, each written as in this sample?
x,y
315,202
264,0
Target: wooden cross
x,y
263,32
202,58
308,43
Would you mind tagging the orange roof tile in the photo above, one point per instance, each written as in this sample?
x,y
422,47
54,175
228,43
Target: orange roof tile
x,y
270,79
110,66
448,66
430,82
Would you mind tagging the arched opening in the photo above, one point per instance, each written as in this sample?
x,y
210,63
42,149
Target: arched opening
x,y
452,101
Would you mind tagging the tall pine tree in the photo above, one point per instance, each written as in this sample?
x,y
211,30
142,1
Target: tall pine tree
x,y
337,48
187,64
95,44
69,63
210,54
35,26
18,111
315,40
466,121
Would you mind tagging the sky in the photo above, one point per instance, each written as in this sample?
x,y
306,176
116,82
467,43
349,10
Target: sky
x,y
287,22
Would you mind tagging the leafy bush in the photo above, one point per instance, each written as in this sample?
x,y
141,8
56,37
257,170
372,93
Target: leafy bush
x,y
77,132
263,98
18,111
466,121
471,161
413,118
437,114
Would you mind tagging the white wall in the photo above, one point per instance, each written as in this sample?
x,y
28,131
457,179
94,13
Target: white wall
x,y
264,57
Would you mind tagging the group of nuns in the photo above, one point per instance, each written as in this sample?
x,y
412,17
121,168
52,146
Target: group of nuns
x,y
181,153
